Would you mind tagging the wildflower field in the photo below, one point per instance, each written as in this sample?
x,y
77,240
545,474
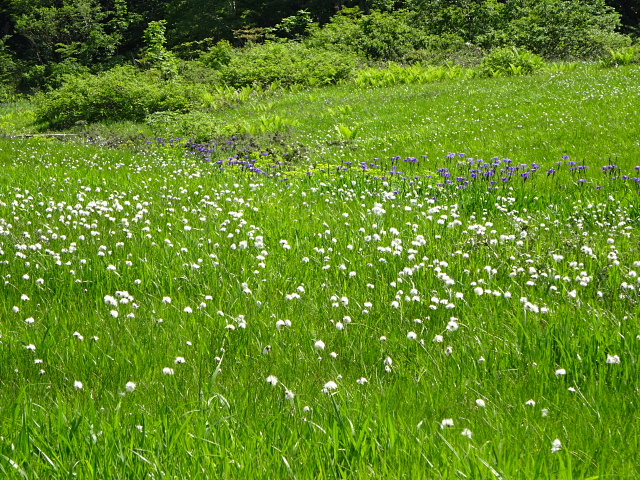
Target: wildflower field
x,y
203,310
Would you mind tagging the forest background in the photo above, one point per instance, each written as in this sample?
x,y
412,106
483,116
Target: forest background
x,y
171,53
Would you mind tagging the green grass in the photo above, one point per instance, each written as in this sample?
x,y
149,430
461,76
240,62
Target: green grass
x,y
233,248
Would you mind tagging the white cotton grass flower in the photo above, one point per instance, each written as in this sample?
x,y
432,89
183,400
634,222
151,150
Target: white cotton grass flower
x,y
560,372
289,395
319,345
179,360
167,371
31,347
481,403
453,325
78,385
466,433
273,380
166,299
556,446
446,423
188,310
329,387
412,335
130,387
362,381
530,402
438,339
613,359
114,313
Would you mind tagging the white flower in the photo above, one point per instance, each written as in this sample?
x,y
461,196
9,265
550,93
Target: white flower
x,y
412,335
388,361
31,347
480,402
478,290
29,320
188,310
613,359
266,350
273,380
114,313
319,345
329,386
467,433
447,422
77,385
166,299
362,381
179,360
130,387
438,339
530,402
289,395
560,372
448,351
111,268
556,446
167,371
78,335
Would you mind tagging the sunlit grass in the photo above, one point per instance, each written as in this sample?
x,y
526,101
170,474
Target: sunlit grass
x,y
414,317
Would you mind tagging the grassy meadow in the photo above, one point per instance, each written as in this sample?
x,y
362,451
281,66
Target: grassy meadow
x,y
442,284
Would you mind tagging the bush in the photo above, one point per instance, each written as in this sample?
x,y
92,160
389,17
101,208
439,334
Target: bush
x,y
287,64
561,29
510,61
378,36
123,93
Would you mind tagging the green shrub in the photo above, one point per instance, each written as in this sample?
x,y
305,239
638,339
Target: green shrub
x,y
561,29
123,93
510,61
218,55
287,64
378,36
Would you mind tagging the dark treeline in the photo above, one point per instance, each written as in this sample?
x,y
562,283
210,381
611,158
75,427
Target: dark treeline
x,y
41,40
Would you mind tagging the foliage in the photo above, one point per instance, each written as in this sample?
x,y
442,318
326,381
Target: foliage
x,y
378,36
218,55
287,64
395,74
123,93
294,26
510,61
79,29
561,29
155,53
621,56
